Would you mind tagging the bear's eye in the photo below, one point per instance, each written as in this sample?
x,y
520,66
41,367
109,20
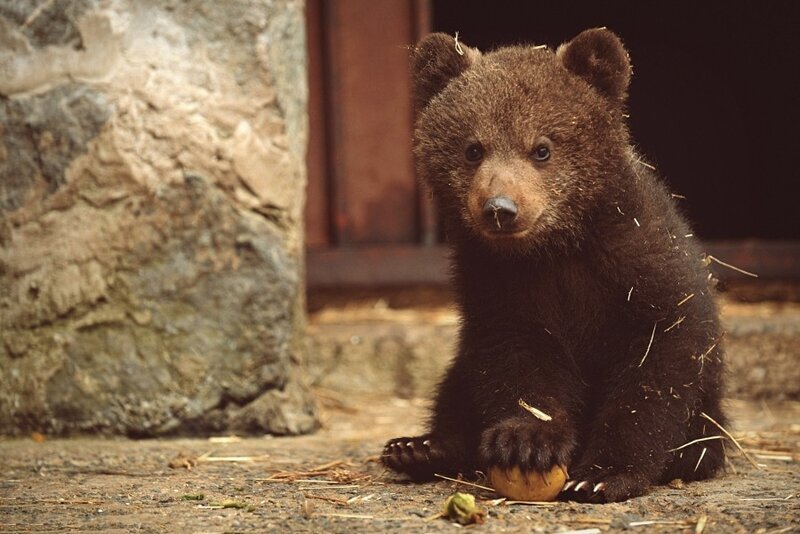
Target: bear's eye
x,y
541,153
474,152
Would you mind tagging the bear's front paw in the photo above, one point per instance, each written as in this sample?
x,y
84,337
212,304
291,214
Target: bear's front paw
x,y
598,484
418,457
530,444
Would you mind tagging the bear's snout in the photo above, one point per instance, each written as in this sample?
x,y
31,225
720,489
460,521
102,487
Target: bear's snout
x,y
506,199
501,212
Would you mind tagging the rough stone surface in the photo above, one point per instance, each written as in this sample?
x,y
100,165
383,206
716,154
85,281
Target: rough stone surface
x,y
151,186
404,352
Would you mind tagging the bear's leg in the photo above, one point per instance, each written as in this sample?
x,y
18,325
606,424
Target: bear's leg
x,y
527,396
621,456
646,413
449,447
703,458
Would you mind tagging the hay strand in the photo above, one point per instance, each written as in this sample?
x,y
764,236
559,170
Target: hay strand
x,y
728,434
459,50
464,482
650,344
536,412
729,266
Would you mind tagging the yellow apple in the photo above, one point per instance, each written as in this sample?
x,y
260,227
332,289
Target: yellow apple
x,y
531,486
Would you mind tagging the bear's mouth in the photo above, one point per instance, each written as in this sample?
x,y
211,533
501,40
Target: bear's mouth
x,y
503,234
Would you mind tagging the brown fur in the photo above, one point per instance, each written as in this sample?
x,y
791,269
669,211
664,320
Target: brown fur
x,y
544,298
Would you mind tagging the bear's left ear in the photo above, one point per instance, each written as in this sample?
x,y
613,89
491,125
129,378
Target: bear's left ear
x,y
599,57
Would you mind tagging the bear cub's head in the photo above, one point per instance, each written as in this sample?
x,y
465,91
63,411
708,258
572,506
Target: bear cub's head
x,y
521,144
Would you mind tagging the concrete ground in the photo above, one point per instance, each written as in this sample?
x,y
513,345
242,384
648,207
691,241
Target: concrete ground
x,y
373,364
330,482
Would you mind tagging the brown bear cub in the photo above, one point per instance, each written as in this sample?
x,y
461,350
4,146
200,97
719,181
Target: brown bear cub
x,y
581,289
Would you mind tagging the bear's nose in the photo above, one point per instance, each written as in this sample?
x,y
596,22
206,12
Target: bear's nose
x,y
500,212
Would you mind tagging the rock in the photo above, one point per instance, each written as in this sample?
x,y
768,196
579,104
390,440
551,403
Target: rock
x,y
151,188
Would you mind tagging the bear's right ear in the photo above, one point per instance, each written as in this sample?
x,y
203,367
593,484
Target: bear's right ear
x,y
435,60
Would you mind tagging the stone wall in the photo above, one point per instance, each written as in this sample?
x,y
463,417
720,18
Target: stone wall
x,y
379,350
151,191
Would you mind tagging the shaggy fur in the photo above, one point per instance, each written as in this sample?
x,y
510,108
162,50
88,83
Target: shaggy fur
x,y
590,303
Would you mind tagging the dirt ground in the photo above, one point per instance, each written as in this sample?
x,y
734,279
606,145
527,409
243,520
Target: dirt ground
x,y
330,482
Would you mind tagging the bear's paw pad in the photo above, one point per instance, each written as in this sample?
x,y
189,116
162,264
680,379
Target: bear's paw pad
x,y
529,444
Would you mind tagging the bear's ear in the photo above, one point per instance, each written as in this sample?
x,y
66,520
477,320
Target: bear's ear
x,y
599,57
435,60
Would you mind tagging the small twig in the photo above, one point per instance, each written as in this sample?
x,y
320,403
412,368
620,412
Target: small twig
x,y
684,301
676,323
775,457
459,50
591,520
325,467
702,454
701,524
329,487
224,439
234,459
780,530
223,505
324,498
767,498
284,480
706,353
698,440
536,412
728,460
495,211
464,482
744,453
630,292
434,517
52,501
360,498
637,222
346,516
659,522
729,266
650,344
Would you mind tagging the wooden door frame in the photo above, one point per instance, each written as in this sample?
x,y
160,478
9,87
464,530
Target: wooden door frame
x,y
428,265
360,124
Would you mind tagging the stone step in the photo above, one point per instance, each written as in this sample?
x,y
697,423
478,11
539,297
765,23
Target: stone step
x,y
371,348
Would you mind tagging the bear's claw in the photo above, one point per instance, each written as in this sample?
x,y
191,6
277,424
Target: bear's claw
x,y
595,485
417,457
584,491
